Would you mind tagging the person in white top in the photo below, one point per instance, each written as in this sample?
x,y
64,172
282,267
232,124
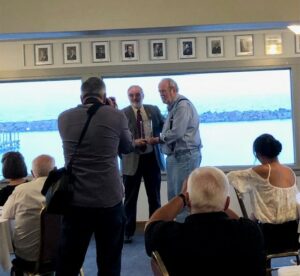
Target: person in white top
x,y
24,206
272,189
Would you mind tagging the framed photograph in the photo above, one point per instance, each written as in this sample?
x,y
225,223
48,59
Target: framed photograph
x,y
297,42
72,53
244,45
158,49
130,50
273,44
43,54
187,47
215,46
100,51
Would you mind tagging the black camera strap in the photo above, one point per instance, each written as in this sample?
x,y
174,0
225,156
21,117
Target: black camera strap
x,y
91,111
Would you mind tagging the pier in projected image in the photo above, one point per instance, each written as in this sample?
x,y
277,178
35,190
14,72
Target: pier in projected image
x,y
28,116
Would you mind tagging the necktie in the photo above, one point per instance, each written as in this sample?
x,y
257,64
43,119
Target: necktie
x,y
140,127
140,124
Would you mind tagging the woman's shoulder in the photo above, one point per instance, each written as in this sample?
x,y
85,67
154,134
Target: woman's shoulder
x,y
262,170
244,172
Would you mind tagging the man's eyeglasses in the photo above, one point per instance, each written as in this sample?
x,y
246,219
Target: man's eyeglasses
x,y
134,95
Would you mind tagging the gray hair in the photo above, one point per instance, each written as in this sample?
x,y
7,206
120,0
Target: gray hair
x,y
92,87
208,189
133,86
42,165
172,83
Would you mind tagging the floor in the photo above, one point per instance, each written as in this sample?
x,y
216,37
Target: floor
x,y
134,259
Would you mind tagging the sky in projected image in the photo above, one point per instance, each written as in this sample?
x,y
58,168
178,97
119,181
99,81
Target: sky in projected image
x,y
35,101
40,100
261,93
216,92
251,90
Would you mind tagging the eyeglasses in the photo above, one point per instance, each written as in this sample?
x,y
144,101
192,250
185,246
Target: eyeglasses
x,y
134,95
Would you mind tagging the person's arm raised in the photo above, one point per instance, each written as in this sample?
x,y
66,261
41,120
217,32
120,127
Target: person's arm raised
x,y
169,211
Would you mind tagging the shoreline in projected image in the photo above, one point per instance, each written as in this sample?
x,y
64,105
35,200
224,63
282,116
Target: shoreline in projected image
x,y
216,151
234,107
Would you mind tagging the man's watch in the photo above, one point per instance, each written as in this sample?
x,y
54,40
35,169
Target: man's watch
x,y
182,196
161,139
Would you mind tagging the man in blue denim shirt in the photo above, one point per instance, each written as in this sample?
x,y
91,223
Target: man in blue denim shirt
x,y
180,137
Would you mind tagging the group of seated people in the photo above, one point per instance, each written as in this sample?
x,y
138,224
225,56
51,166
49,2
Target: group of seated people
x,y
212,238
23,202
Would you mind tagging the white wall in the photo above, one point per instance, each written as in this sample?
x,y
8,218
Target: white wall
x,y
142,214
142,209
76,15
17,57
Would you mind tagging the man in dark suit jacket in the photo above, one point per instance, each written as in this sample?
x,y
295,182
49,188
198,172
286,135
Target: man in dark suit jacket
x,y
147,161
129,51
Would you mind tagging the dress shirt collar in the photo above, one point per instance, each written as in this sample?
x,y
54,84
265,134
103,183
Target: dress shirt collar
x,y
136,109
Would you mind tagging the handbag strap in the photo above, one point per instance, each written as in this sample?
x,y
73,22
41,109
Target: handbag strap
x,y
91,111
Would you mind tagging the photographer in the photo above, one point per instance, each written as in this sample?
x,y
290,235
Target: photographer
x,y
98,190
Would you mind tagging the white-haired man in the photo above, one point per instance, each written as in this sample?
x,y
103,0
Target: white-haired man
x,y
24,206
180,138
209,240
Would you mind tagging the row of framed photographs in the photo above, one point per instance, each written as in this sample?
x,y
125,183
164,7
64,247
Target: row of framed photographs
x,y
244,46
43,53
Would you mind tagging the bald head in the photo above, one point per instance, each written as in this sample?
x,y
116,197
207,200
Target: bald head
x,y
208,190
42,165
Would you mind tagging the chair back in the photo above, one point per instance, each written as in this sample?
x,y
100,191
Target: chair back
x,y
157,265
49,241
241,203
281,240
50,225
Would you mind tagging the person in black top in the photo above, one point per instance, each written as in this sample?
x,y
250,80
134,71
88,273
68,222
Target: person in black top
x,y
208,241
14,170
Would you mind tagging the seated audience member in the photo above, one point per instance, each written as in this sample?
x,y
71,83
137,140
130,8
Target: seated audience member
x,y
24,206
272,189
14,170
208,241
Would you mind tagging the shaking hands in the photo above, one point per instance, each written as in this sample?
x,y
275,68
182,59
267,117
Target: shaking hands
x,y
141,142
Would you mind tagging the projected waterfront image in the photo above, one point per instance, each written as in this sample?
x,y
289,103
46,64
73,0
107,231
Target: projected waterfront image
x,y
234,108
28,117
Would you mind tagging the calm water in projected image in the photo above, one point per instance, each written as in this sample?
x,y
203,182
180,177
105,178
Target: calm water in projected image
x,y
217,149
224,143
227,143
